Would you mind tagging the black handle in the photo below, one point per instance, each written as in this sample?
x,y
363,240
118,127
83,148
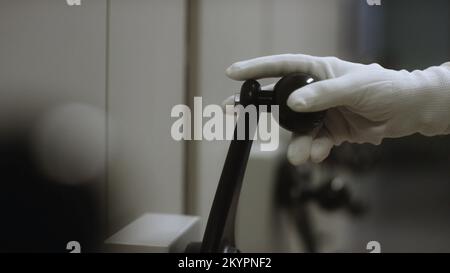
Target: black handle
x,y
290,120
219,234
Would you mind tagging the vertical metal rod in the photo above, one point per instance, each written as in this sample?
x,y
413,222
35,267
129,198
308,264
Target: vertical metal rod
x,y
191,157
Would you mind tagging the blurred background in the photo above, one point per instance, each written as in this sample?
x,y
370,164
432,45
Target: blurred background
x,y
85,98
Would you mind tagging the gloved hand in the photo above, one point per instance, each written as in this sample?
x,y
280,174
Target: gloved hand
x,y
364,103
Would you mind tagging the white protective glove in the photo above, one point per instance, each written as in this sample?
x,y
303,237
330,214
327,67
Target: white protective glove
x,y
364,103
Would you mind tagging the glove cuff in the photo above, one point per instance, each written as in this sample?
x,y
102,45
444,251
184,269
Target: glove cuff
x,y
432,87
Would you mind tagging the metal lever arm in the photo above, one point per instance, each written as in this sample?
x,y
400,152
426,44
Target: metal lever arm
x,y
219,235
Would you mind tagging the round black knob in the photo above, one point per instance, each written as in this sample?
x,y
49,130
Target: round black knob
x,y
296,122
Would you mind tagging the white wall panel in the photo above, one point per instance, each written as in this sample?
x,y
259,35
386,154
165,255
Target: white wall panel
x,y
146,78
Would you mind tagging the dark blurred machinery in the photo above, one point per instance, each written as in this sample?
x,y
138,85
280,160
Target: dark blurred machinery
x,y
296,187
39,213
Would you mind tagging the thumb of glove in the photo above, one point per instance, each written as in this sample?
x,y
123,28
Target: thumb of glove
x,y
323,95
